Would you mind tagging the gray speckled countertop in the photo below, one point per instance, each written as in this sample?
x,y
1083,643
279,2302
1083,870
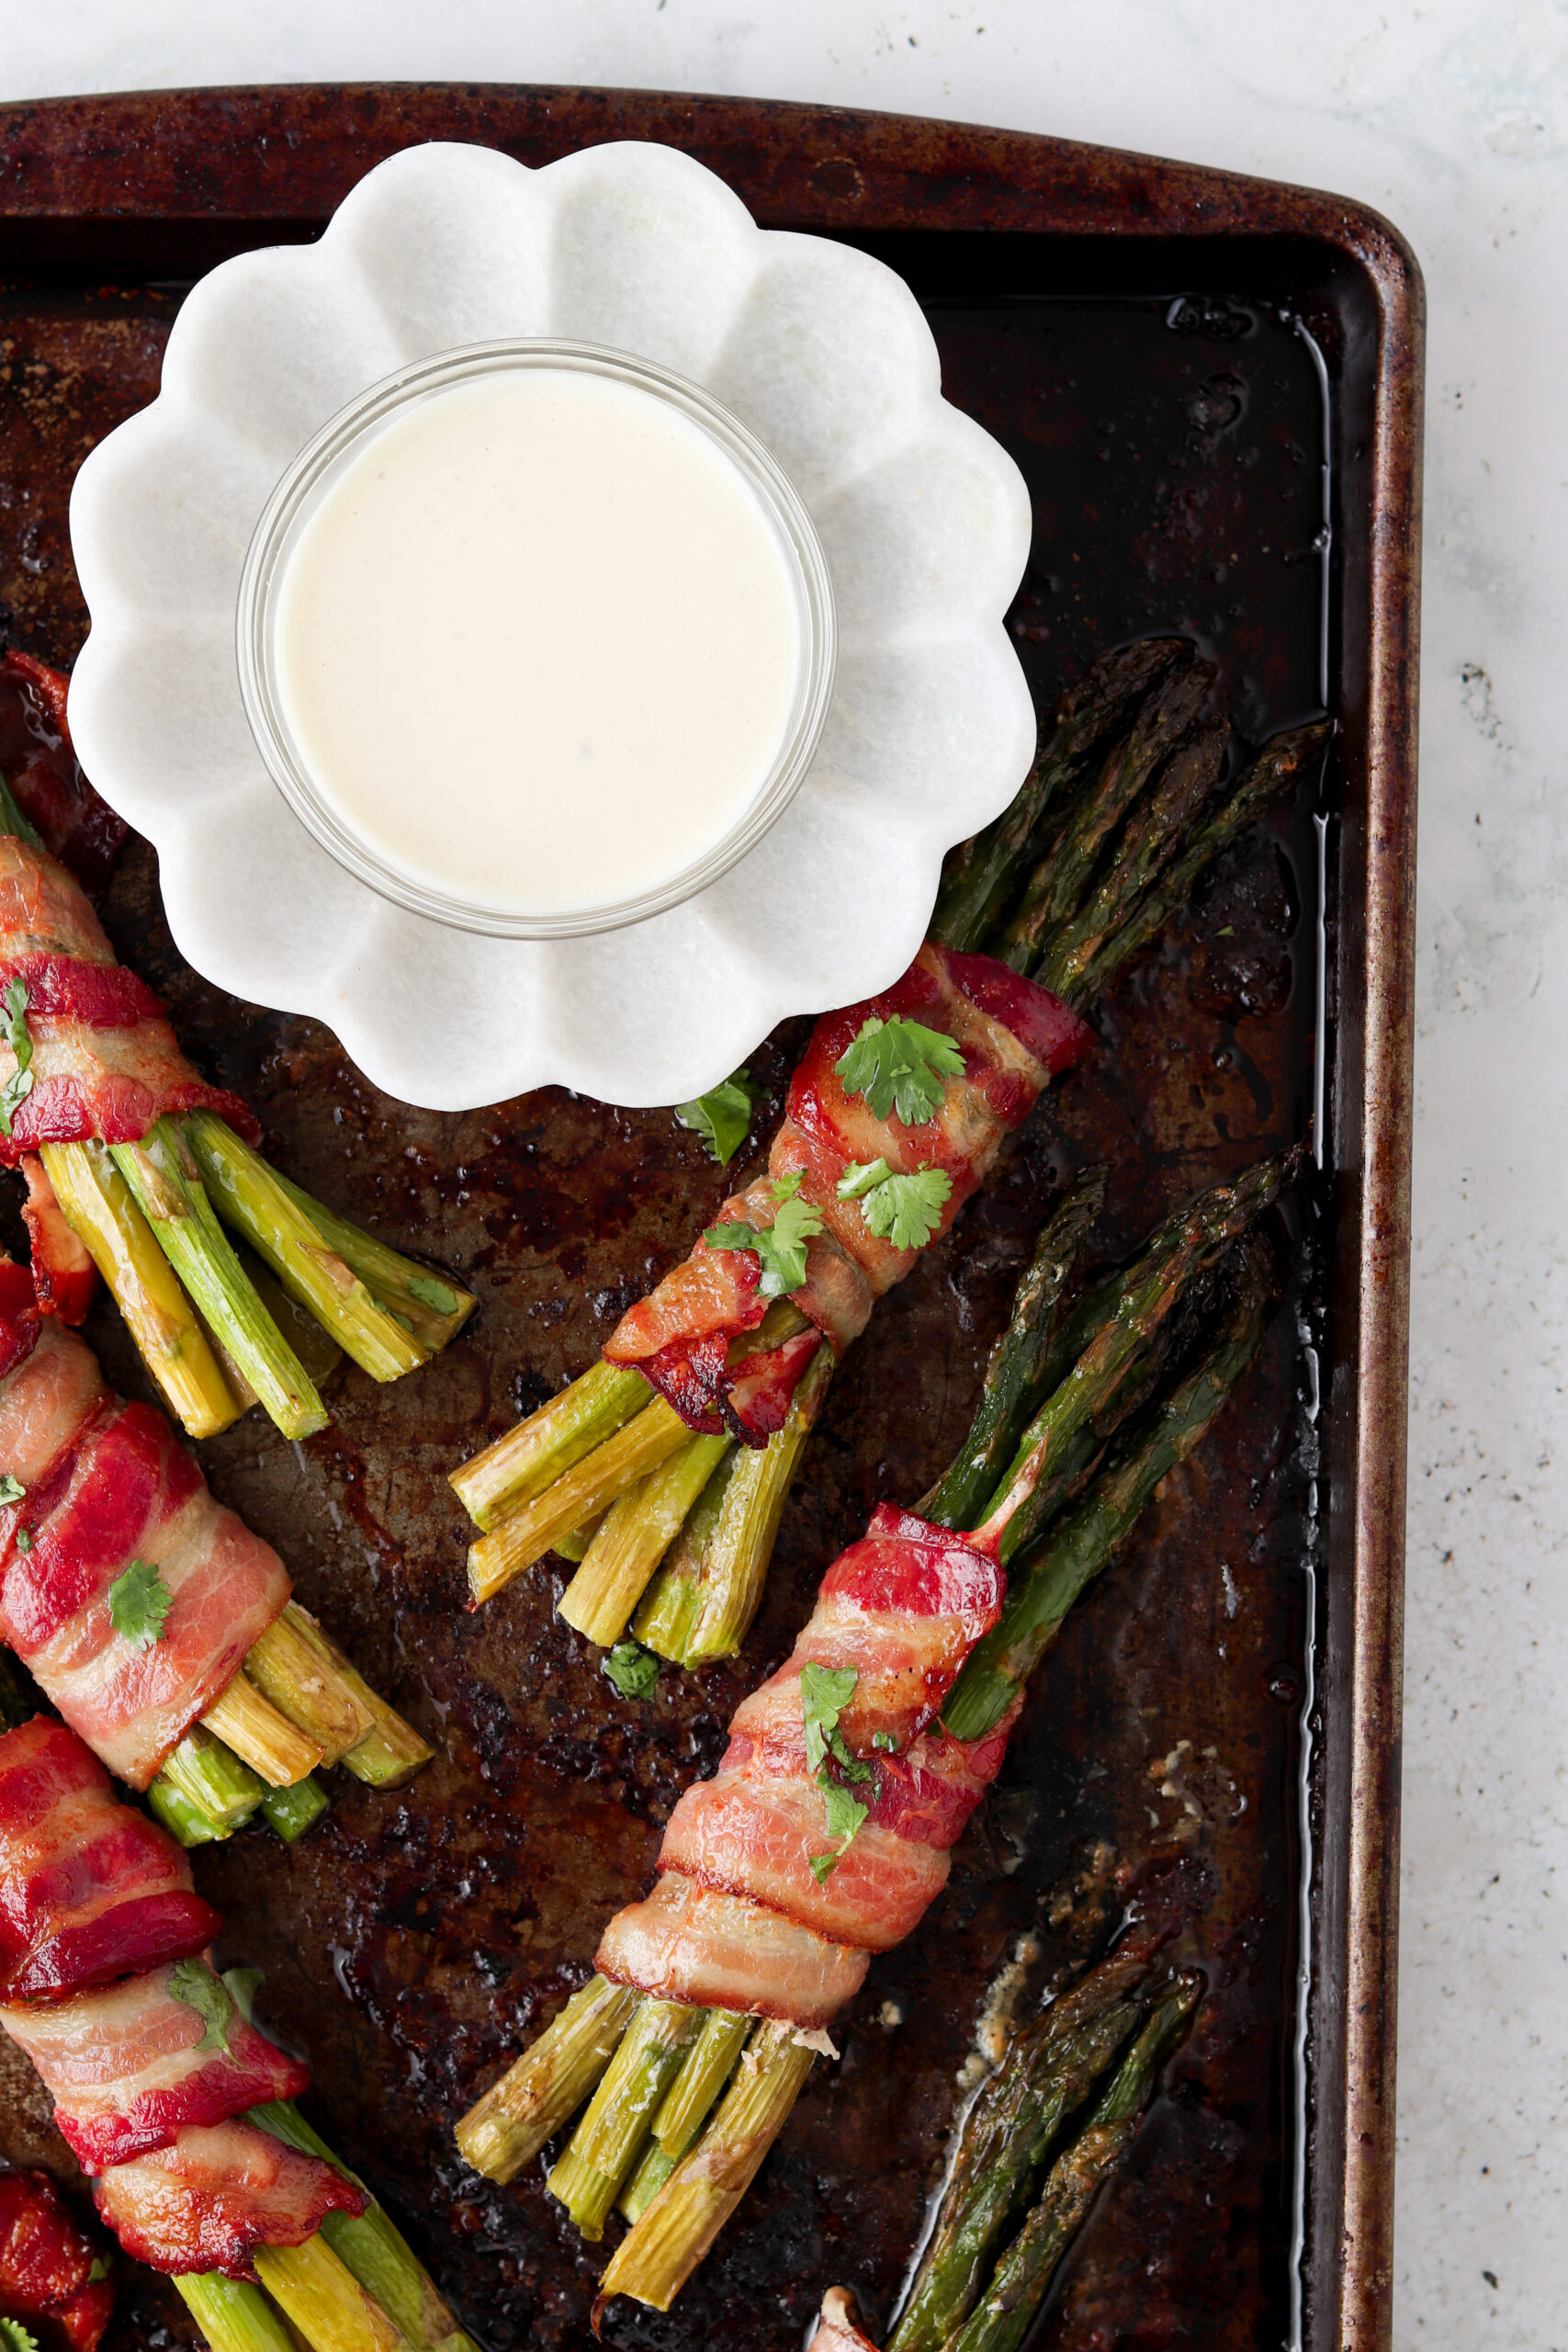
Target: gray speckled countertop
x,y
1454,121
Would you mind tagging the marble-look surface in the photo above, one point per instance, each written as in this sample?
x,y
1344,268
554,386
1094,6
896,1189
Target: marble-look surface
x,y
1454,121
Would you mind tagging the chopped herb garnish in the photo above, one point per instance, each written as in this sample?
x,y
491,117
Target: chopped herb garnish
x,y
723,1116
886,1741
15,2336
632,1669
904,1210
192,1981
825,1693
14,1033
899,1065
782,1245
100,2270
24,1538
11,1490
139,1602
433,1294
1226,931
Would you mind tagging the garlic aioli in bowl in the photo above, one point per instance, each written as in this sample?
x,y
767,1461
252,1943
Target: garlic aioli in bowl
x,y
538,644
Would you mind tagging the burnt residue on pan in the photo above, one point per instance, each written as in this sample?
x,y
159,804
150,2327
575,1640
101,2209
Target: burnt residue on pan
x,y
1173,452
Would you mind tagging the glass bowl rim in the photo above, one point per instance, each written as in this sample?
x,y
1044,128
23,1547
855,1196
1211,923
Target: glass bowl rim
x,y
290,500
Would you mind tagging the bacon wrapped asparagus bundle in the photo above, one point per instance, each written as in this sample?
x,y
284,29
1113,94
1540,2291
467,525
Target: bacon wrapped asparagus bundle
x,y
134,1163
679,1447
171,2099
161,1627
827,1830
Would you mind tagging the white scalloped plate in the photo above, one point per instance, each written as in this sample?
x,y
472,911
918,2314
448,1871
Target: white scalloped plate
x,y
823,354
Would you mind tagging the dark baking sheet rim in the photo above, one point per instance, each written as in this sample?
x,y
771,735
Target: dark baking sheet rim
x,y
161,184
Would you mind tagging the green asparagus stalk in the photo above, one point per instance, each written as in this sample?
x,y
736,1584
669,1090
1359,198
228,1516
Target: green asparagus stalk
x,y
434,1306
1049,2068
1272,774
207,1775
390,1751
980,874
97,1203
323,2299
705,2069
162,1174
1012,1376
1047,1582
249,1197
1064,878
294,1810
1151,843
549,2082
530,1458
594,1483
632,1538
1005,2314
708,1614
371,2247
233,2315
654,2260
611,2136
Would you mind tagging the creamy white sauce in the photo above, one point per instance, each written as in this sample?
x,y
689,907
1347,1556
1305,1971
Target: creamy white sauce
x,y
538,643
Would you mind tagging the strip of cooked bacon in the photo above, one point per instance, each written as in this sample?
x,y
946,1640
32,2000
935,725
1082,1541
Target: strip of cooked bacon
x,y
89,1888
47,2264
215,2194
903,1609
105,1060
64,1277
131,2065
40,764
107,1483
1013,1037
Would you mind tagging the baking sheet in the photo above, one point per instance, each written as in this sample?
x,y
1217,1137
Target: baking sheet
x,y
1174,433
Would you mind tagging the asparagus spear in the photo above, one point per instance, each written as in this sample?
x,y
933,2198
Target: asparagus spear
x,y
1271,775
1012,1376
1144,1300
1063,879
372,2247
233,2315
608,2143
1151,844
589,1488
508,1475
654,2260
1002,2318
1048,1581
632,1538
704,2070
979,875
549,2082
1049,2068
97,1204
706,1613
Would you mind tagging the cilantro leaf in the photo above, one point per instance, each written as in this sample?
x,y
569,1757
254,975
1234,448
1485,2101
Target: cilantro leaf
x,y
822,1867
14,1033
24,1538
431,1293
632,1669
886,1741
139,1602
11,1490
860,1176
192,1981
782,1245
722,1116
907,1210
15,2336
900,1065
845,1812
100,2270
825,1693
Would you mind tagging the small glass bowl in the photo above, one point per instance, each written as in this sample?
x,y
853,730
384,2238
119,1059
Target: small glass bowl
x,y
318,465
